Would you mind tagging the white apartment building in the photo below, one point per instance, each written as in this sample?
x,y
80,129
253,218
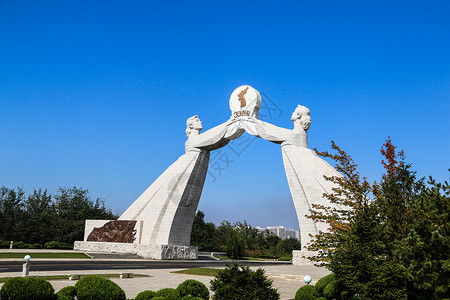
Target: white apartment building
x,y
280,231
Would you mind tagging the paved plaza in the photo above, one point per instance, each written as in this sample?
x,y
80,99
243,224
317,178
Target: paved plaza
x,y
287,278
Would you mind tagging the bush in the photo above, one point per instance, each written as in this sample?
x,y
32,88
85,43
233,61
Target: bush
x,y
159,298
167,294
235,282
193,288
28,288
67,293
323,282
92,287
57,245
51,245
145,295
189,297
321,298
307,292
331,291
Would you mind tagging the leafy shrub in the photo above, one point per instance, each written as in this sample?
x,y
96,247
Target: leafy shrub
x,y
92,287
28,288
51,245
35,246
167,294
307,292
189,297
67,293
193,288
145,295
331,291
323,282
159,298
235,282
57,245
321,298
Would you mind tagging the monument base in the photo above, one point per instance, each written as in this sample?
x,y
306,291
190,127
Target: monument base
x,y
299,257
160,252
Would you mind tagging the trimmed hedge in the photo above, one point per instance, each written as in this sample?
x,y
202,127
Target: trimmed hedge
x,y
67,293
145,295
193,288
189,297
27,288
168,294
331,290
307,292
93,287
323,282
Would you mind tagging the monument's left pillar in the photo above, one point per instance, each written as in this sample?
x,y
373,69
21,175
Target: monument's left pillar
x,y
158,224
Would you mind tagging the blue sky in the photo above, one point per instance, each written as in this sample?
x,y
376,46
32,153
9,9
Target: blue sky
x,y
96,94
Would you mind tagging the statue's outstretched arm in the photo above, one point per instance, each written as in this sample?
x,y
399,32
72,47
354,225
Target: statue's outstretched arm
x,y
216,137
271,132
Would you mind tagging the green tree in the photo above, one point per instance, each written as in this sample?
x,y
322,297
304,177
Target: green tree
x,y
424,252
393,247
203,234
39,217
286,246
236,283
73,206
11,213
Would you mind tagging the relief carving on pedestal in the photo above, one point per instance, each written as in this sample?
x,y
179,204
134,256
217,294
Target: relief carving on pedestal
x,y
114,232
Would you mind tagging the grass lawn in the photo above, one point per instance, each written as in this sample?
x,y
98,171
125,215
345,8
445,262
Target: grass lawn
x,y
199,271
43,255
66,277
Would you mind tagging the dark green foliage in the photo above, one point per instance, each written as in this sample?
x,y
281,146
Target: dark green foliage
x,y
193,288
395,247
307,292
92,287
323,282
321,298
29,288
42,217
285,247
235,282
189,297
424,252
145,295
331,291
159,298
229,247
203,234
67,293
167,293
11,214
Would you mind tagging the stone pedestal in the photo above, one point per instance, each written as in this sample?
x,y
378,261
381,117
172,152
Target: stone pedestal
x,y
160,252
299,257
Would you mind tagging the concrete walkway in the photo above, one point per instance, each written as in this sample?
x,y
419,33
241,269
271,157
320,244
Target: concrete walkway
x,y
286,278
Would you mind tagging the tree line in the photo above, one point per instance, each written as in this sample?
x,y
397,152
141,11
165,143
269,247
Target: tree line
x,y
239,239
42,217
389,239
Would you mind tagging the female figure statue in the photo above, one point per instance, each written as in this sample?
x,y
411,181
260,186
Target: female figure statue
x,y
304,169
166,210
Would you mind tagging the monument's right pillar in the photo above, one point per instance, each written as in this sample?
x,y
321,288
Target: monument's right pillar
x,y
305,174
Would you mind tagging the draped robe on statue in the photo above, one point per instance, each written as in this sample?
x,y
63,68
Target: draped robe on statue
x,y
165,211
304,171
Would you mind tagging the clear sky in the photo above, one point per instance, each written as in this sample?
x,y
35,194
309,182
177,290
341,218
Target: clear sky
x,y
95,94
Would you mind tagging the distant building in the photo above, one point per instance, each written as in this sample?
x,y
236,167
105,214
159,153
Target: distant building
x,y
281,231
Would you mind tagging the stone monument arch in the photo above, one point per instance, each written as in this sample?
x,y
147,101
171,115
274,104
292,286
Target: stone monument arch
x,y
158,224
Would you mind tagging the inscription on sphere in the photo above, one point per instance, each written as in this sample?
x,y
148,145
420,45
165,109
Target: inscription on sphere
x,y
245,101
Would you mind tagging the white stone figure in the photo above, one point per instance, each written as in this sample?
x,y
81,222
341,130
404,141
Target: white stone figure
x,y
304,169
166,210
